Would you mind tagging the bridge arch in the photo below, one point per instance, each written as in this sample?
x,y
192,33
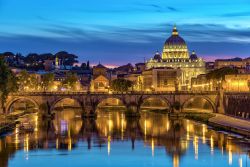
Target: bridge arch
x,y
158,100
76,102
17,99
111,101
200,101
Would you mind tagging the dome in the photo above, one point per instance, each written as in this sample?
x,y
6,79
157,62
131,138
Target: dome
x,y
157,56
175,47
175,39
193,56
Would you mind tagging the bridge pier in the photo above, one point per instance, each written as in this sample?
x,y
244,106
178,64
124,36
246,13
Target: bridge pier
x,y
133,108
220,103
88,112
1,110
132,111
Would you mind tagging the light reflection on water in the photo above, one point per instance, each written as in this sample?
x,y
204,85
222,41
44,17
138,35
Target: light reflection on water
x,y
113,140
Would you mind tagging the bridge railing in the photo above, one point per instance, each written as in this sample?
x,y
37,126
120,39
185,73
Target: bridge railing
x,y
117,93
237,93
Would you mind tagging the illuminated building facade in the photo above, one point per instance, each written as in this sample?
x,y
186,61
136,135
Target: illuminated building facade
x,y
176,55
237,83
100,84
231,83
161,79
100,80
201,83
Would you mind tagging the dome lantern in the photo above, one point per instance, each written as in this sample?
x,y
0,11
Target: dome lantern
x,y
175,31
175,47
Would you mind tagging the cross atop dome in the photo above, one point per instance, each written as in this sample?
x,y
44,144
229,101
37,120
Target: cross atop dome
x,y
175,31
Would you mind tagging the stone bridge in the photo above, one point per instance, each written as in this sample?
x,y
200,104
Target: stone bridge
x,y
131,100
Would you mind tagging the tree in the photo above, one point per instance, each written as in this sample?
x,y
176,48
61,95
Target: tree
x,y
121,85
70,82
219,74
27,82
67,59
88,65
33,81
8,83
47,81
23,77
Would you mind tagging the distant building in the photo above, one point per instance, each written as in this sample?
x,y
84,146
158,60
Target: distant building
x,y
100,79
136,79
100,70
176,55
123,70
140,67
100,84
48,65
235,63
161,79
201,83
209,66
60,75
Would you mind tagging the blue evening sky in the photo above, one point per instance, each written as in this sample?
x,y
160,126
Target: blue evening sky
x,y
122,31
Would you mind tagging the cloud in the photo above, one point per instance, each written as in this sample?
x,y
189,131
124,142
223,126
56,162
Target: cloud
x,y
119,45
67,32
172,9
214,33
238,14
147,34
162,8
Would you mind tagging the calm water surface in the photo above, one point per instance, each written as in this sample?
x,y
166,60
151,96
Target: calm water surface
x,y
112,140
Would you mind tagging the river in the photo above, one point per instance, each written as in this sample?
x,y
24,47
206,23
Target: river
x,y
114,141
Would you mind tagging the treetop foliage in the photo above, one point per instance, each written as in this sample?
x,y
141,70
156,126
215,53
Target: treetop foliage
x,y
219,74
121,85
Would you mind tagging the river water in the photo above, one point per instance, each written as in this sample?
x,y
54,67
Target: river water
x,y
114,141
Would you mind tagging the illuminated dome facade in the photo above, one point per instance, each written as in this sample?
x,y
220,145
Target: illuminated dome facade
x,y
175,55
175,47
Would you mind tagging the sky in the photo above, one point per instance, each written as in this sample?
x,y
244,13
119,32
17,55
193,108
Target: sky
x,y
116,32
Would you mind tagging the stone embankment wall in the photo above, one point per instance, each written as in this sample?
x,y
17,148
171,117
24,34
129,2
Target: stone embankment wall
x,y
238,106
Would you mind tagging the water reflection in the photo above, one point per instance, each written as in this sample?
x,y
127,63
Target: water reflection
x,y
124,142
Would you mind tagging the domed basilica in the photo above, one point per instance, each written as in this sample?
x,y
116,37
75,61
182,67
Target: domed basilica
x,y
175,55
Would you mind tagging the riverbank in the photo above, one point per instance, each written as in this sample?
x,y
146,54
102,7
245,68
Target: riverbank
x,y
8,122
199,117
6,126
218,121
232,124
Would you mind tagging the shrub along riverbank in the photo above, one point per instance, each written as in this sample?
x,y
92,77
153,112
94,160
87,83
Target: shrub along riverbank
x,y
200,117
196,116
